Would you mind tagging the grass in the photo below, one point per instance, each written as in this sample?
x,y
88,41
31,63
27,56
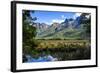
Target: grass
x,y
47,44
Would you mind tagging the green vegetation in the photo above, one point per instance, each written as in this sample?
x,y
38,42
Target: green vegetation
x,y
29,32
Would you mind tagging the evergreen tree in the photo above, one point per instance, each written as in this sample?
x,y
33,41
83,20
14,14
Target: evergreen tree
x,y
29,32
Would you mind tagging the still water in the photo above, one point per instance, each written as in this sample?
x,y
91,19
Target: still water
x,y
40,59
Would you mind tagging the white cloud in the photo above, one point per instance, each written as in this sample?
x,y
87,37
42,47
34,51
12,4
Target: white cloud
x,y
57,20
63,17
76,15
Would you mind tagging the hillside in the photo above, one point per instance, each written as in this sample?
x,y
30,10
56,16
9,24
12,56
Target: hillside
x,y
69,29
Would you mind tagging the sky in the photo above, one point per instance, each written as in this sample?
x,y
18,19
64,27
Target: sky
x,y
49,17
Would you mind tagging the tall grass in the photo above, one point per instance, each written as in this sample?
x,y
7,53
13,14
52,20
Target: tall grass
x,y
63,49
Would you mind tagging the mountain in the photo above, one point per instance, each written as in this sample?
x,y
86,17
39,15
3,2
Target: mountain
x,y
69,29
40,27
79,20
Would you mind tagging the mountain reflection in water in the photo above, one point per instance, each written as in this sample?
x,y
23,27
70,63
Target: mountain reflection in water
x,y
40,59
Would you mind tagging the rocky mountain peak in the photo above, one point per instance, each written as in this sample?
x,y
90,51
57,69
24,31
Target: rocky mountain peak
x,y
55,24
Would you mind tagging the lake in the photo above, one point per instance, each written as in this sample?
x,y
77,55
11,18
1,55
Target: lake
x,y
40,59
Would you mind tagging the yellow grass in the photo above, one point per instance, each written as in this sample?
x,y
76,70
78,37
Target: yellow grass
x,y
45,44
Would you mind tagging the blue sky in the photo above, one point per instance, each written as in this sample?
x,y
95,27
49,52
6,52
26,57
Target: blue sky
x,y
49,17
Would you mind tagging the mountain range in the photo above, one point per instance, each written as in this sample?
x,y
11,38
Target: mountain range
x,y
68,29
